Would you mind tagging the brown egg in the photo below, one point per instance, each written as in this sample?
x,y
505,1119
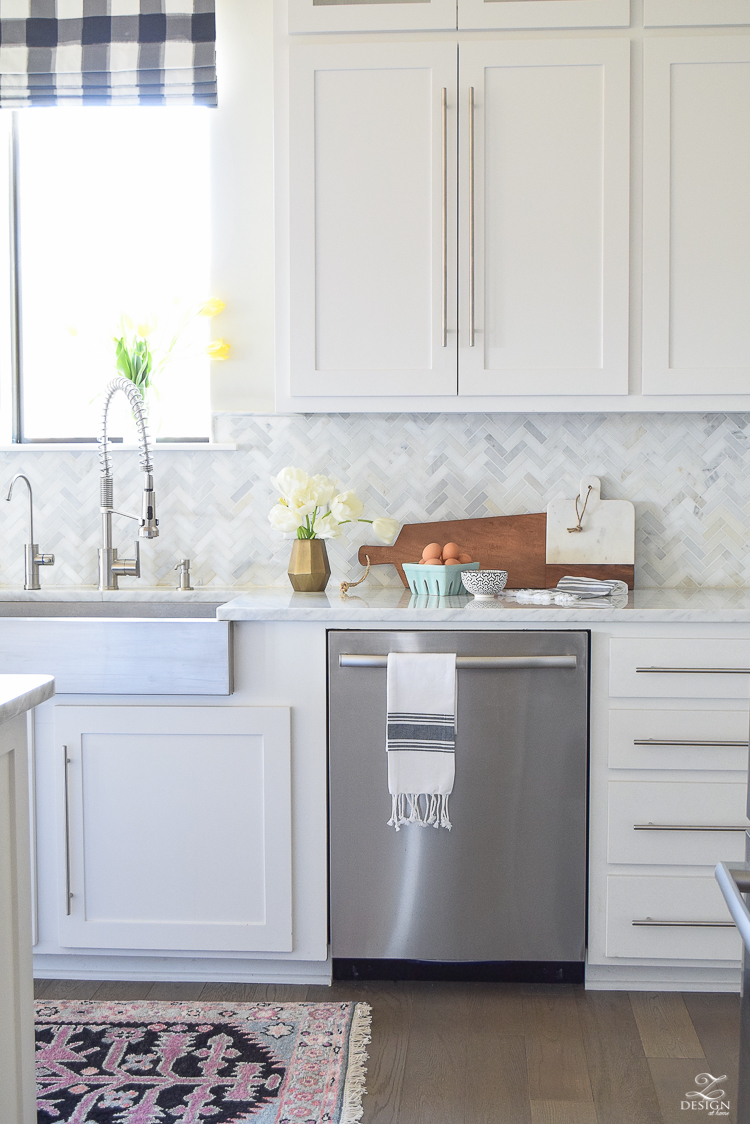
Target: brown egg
x,y
433,561
432,551
450,550
451,562
464,558
421,562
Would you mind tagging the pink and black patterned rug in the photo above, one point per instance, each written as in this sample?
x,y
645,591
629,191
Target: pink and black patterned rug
x,y
200,1063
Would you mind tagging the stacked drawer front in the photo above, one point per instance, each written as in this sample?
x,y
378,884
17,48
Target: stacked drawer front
x,y
682,823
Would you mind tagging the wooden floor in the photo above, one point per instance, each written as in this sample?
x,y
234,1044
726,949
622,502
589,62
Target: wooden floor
x,y
445,1053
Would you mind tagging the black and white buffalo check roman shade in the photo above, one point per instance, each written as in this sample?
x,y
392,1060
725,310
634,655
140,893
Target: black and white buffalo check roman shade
x,y
107,52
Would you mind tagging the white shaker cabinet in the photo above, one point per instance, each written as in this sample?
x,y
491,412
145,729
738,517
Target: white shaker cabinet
x,y
543,13
544,217
416,15
695,13
696,284
373,219
384,273
174,827
17,1091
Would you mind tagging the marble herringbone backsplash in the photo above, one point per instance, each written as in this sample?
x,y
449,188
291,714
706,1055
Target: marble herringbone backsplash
x,y
688,475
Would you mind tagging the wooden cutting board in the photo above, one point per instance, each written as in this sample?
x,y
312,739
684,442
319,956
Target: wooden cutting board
x,y
516,543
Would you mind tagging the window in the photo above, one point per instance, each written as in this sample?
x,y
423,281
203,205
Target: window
x,y
113,218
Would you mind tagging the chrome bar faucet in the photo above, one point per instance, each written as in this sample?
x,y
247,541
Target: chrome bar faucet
x,y
32,558
110,566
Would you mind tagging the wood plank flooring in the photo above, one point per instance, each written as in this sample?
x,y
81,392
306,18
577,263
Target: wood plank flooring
x,y
446,1053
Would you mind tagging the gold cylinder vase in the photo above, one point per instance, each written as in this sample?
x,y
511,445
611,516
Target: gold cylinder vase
x,y
309,570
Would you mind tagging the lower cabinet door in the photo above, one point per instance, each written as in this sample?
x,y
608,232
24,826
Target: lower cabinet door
x,y
175,827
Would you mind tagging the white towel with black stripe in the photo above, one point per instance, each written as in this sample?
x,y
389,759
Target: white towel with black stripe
x,y
421,737
591,587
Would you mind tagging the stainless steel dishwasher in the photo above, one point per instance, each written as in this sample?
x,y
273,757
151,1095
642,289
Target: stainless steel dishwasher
x,y
502,895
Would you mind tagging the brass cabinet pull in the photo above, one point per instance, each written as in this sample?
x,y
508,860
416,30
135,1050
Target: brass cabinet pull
x,y
471,216
444,246
687,742
68,894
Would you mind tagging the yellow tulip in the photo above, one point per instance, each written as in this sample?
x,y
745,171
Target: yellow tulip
x,y
145,328
217,349
212,308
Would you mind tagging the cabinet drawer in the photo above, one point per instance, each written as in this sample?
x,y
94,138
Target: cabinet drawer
x,y
678,739
685,918
679,669
646,819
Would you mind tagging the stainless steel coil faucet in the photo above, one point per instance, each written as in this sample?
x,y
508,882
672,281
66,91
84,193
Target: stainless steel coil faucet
x,y
110,566
32,558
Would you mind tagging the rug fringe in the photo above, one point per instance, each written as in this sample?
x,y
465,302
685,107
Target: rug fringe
x,y
356,1068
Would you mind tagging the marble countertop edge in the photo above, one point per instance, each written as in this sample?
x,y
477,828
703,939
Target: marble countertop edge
x,y
19,693
397,606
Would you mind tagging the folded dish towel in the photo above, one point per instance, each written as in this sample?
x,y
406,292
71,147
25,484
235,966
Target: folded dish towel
x,y
591,587
421,737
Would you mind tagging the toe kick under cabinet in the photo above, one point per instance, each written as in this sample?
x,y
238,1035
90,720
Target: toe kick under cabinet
x,y
674,784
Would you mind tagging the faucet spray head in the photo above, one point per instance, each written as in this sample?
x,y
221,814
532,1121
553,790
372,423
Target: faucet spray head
x,y
149,528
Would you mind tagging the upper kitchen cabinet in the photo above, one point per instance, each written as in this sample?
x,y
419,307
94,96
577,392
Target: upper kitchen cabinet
x,y
696,285
382,15
695,13
373,220
478,14
543,250
388,303
419,15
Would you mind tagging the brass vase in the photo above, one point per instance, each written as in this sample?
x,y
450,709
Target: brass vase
x,y
309,570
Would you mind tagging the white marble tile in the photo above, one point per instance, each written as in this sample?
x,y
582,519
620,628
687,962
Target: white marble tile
x,y
687,474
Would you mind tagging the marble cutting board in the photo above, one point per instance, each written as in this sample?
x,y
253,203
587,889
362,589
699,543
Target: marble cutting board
x,y
608,529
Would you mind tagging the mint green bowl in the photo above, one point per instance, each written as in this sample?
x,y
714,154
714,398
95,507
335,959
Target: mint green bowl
x,y
437,581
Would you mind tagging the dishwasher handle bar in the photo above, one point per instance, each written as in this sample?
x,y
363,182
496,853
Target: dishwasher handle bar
x,y
470,663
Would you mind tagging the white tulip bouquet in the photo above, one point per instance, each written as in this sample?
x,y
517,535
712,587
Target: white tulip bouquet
x,y
310,507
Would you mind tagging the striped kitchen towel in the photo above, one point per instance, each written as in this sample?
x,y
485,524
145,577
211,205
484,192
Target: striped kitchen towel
x,y
421,737
591,587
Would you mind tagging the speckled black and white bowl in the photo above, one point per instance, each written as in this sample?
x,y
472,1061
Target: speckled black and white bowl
x,y
485,584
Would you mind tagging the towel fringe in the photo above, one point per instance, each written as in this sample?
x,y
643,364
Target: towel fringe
x,y
406,809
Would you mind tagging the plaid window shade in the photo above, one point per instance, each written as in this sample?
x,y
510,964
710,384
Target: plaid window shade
x,y
107,52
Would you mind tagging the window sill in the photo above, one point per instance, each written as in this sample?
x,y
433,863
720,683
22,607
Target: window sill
x,y
159,447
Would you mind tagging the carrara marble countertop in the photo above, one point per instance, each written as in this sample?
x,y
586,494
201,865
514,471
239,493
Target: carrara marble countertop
x,y
399,606
19,693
